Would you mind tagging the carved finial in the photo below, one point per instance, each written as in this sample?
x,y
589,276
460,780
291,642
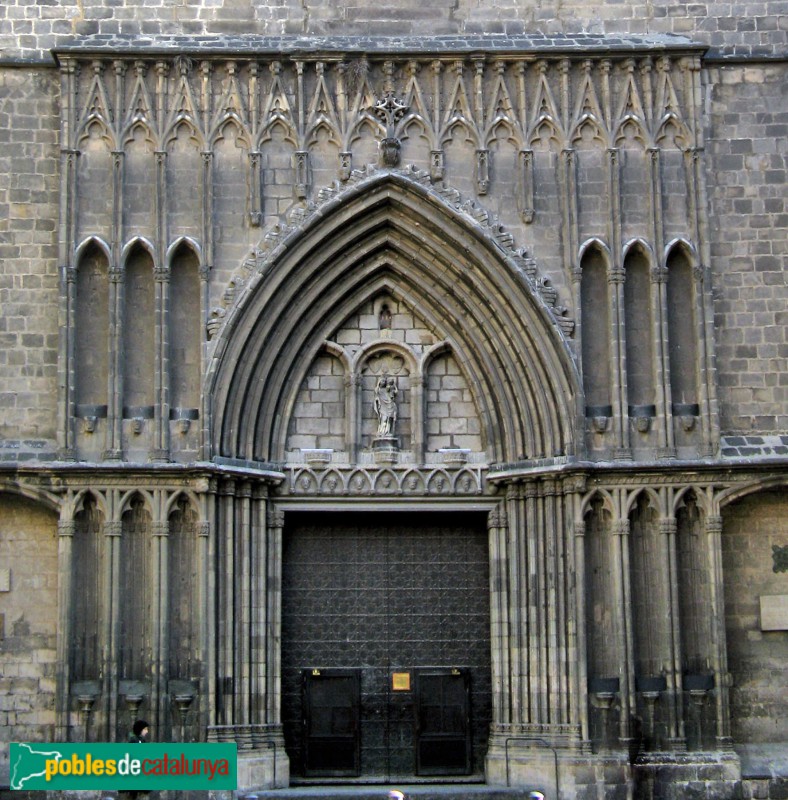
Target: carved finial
x,y
390,110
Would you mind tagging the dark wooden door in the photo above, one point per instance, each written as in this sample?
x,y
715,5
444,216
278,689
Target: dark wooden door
x,y
443,726
331,722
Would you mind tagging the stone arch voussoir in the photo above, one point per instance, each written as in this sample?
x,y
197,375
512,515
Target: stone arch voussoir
x,y
452,260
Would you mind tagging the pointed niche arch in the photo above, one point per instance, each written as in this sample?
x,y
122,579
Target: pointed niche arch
x,y
391,232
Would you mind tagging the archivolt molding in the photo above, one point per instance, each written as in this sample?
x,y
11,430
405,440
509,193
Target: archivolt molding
x,y
447,258
301,217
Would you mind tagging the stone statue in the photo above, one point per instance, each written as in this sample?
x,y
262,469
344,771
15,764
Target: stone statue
x,y
386,404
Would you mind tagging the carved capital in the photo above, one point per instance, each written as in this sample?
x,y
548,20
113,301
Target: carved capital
x,y
667,526
160,529
575,484
713,524
659,275
275,518
66,527
113,528
513,491
621,528
497,518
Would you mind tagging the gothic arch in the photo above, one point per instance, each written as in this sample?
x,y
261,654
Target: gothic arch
x,y
90,242
391,232
38,496
736,493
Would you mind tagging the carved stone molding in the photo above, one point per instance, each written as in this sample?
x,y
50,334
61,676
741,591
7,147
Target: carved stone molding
x,y
394,480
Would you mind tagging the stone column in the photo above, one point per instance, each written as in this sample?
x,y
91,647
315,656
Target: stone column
x,y
65,542
113,447
659,304
161,437
615,279
226,567
208,572
206,267
675,710
242,581
577,660
66,239
624,625
719,653
417,416
580,659
258,606
110,631
497,525
160,624
273,633
519,699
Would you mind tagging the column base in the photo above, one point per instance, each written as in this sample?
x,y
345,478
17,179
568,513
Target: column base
x,y
263,769
262,760
557,772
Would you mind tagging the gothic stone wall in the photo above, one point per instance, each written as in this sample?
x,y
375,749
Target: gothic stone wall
x,y
746,178
753,527
749,242
29,179
28,617
28,29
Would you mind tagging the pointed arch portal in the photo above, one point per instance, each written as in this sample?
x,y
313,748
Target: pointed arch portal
x,y
394,234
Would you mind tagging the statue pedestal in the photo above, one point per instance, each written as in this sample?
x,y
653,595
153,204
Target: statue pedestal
x,y
385,449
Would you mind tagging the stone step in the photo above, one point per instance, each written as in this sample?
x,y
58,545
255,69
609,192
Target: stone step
x,y
455,791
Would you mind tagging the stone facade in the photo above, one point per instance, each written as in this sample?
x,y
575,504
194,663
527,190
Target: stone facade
x,y
268,262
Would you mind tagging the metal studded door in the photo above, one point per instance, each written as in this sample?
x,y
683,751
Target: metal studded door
x,y
390,594
331,701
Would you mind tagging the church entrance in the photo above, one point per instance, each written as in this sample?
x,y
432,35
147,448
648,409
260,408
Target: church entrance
x,y
385,645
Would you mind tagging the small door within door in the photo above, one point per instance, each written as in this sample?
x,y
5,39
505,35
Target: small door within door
x,y
331,703
443,730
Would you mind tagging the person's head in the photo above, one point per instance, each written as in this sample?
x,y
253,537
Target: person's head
x,y
140,728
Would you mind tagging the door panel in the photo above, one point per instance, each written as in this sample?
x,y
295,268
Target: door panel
x,y
331,702
386,592
443,742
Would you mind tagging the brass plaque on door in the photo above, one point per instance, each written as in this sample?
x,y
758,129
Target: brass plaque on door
x,y
400,681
